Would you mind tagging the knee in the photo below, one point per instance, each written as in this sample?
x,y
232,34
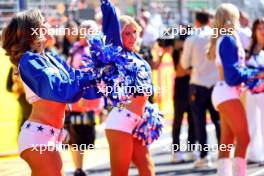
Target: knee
x,y
247,139
146,168
243,139
147,171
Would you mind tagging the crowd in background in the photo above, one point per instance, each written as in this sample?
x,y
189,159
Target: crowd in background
x,y
194,80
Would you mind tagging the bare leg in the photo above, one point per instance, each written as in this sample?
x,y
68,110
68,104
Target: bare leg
x,y
46,164
235,117
142,159
227,137
121,149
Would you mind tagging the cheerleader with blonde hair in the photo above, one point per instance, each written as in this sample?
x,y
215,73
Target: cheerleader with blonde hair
x,y
226,49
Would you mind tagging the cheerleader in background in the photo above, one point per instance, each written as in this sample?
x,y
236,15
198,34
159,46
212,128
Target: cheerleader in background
x,y
124,148
227,51
49,84
255,102
80,121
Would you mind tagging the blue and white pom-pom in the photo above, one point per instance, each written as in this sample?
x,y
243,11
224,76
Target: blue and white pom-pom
x,y
109,68
151,125
114,71
253,84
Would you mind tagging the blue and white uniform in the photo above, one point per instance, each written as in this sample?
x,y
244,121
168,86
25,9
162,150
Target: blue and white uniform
x,y
228,56
50,78
255,112
124,120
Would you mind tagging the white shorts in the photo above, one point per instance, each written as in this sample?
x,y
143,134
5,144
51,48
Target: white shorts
x,y
223,92
34,134
122,120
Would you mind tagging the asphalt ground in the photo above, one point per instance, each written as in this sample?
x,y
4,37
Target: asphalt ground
x,y
96,162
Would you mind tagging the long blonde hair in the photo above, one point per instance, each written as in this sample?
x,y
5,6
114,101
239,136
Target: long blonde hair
x,y
125,20
227,16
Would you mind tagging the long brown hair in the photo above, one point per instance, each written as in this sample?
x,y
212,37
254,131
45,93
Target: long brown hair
x,y
254,39
18,35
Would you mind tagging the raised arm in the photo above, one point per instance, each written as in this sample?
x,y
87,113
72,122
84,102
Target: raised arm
x,y
111,26
47,82
229,56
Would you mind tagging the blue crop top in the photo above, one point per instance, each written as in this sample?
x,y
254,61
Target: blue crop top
x,y
229,55
51,78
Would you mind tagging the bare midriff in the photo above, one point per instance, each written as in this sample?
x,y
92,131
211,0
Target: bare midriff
x,y
137,105
48,113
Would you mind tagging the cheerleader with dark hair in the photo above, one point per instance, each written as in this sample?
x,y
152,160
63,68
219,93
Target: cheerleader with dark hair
x,y
49,85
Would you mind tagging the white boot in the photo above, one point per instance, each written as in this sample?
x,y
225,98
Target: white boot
x,y
224,167
239,166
